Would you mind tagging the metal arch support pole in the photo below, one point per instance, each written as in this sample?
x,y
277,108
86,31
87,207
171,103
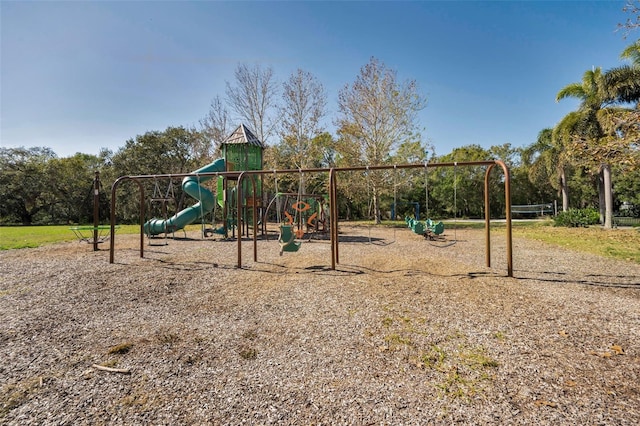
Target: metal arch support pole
x,y
112,237
487,217
142,215
238,215
507,200
112,220
333,218
335,215
255,219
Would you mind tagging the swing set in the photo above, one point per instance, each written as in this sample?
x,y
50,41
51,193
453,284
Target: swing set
x,y
434,230
287,236
163,199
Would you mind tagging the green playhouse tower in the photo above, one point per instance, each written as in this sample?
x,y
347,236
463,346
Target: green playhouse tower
x,y
242,150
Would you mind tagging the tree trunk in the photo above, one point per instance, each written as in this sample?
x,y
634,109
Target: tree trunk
x,y
601,197
608,196
565,191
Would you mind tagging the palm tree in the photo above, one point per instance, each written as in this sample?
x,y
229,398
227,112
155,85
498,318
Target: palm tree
x,y
621,123
623,83
582,130
547,162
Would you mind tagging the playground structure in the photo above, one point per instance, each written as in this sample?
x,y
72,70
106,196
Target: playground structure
x,y
242,150
249,181
309,212
97,233
307,220
191,186
429,228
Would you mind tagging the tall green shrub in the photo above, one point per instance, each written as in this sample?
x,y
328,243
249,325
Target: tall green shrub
x,y
575,218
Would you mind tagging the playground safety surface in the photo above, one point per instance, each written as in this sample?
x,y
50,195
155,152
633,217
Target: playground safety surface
x,y
400,333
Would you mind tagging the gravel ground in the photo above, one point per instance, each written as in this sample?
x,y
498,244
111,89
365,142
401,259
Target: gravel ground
x,y
402,332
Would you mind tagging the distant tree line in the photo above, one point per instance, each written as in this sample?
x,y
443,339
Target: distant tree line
x,y
590,159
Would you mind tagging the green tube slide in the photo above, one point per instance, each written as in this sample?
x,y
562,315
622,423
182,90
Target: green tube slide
x,y
206,202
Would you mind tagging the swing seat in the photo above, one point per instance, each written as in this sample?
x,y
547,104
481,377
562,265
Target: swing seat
x,y
86,233
415,225
435,228
418,227
287,239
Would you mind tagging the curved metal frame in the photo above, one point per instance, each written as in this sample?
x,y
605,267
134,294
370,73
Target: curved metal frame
x,y
333,205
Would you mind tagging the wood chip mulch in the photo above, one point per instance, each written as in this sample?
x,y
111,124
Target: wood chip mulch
x,y
402,332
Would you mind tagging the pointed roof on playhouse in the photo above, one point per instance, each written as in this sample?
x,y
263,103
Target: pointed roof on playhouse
x,y
242,135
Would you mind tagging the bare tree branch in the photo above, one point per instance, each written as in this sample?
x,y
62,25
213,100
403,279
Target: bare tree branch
x,y
216,124
632,23
378,114
304,106
253,98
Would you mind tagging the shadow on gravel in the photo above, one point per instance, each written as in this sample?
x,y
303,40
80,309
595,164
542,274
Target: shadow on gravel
x,y
598,280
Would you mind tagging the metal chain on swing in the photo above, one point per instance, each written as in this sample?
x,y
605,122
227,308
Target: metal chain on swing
x,y
426,189
370,202
395,199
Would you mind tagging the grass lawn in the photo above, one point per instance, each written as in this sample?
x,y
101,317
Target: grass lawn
x,y
16,237
615,243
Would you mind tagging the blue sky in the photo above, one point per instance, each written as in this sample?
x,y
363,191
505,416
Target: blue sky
x,y
81,76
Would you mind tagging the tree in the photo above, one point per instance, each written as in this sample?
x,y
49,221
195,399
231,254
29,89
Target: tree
x,y
71,185
24,184
632,7
632,53
378,113
462,187
623,83
321,154
253,98
408,184
548,163
522,190
622,124
303,107
627,186
215,127
583,129
602,132
155,152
